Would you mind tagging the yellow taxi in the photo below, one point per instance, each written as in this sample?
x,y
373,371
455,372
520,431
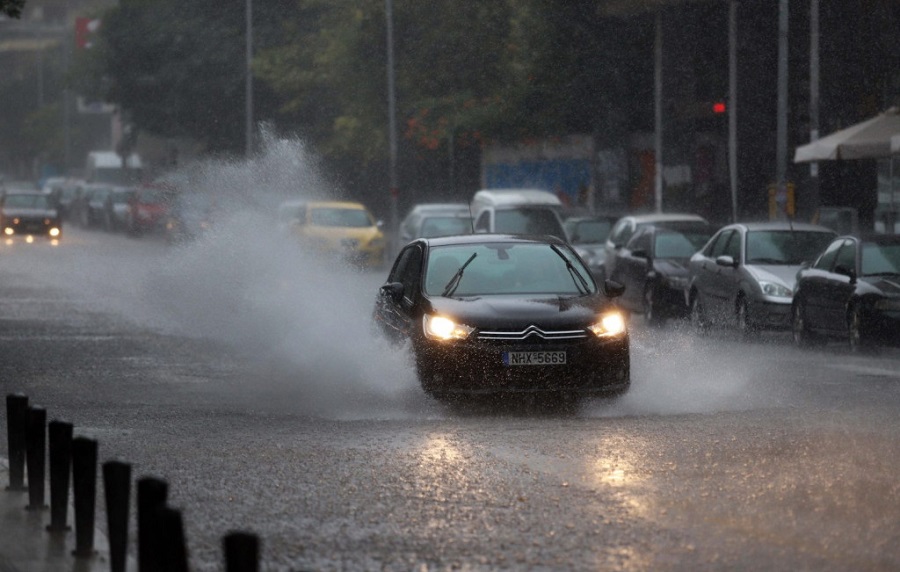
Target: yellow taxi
x,y
344,228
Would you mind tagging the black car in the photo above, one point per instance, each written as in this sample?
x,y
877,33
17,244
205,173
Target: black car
x,y
29,213
653,267
852,291
494,314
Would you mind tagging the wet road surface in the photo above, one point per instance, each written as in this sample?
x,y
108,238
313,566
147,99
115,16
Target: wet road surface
x,y
247,377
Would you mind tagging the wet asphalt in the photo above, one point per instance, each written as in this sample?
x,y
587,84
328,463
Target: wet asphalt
x,y
258,394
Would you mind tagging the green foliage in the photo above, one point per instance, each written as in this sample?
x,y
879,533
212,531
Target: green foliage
x,y
12,8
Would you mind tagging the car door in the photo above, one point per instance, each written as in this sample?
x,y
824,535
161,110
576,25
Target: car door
x,y
715,278
618,236
838,286
399,296
631,267
812,289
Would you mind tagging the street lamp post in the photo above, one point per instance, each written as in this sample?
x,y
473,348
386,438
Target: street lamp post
x,y
392,125
248,87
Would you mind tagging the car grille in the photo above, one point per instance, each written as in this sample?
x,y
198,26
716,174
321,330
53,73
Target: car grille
x,y
531,332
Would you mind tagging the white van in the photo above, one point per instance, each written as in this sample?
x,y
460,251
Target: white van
x,y
517,211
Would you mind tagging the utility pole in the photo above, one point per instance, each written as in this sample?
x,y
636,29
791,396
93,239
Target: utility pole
x,y
658,113
732,107
248,87
781,144
813,102
392,126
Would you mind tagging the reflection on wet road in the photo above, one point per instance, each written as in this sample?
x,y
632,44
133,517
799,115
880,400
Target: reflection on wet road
x,y
253,386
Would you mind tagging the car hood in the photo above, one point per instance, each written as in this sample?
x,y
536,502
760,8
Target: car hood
x,y
778,273
672,266
521,311
30,213
888,285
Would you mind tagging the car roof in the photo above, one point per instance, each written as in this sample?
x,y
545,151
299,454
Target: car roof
x,y
483,238
780,225
665,217
432,207
516,197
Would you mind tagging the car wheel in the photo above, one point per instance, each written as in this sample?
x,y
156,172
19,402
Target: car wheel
x,y
698,316
742,319
855,337
803,338
651,307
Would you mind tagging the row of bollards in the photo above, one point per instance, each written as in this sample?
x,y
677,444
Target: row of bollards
x,y
161,543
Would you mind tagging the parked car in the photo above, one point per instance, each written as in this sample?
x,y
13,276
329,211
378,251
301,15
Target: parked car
x,y
627,225
94,212
587,235
190,216
342,229
435,219
653,267
118,208
492,314
147,209
517,211
29,213
745,275
851,292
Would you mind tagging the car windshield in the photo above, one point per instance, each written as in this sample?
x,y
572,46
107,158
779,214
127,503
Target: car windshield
x,y
527,221
505,268
589,231
671,244
336,216
785,246
445,226
26,201
880,258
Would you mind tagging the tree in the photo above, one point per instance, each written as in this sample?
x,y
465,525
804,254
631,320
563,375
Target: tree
x,y
12,8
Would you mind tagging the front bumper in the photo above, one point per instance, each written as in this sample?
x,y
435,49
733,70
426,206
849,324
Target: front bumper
x,y
30,226
593,366
769,315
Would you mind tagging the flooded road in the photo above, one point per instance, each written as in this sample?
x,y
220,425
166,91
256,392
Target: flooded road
x,y
246,375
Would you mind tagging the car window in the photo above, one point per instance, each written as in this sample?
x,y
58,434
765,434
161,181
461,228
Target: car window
x,y
640,241
34,201
527,221
505,268
717,248
826,260
784,246
615,235
670,244
846,256
484,222
589,231
336,216
733,246
880,258
399,270
445,226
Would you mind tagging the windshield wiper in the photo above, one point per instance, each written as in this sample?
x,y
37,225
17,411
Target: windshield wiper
x,y
577,278
451,286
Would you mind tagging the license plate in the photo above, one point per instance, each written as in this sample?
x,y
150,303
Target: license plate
x,y
534,358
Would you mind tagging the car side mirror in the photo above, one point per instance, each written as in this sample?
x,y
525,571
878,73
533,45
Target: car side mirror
x,y
393,290
640,253
728,261
613,289
844,271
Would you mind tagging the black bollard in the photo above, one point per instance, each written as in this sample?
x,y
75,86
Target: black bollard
x,y
117,485
241,552
151,495
36,456
170,532
84,487
16,423
60,469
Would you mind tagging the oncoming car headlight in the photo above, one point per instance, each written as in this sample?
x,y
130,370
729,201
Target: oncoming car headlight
x,y
609,325
441,328
775,290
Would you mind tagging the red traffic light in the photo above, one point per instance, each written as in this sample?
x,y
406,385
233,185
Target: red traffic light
x,y
719,107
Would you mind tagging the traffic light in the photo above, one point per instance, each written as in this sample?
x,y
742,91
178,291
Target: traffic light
x,y
718,107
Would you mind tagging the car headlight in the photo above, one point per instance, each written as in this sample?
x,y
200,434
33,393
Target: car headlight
x,y
610,325
54,232
775,290
441,328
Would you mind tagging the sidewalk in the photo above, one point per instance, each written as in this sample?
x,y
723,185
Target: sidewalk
x,y
26,546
